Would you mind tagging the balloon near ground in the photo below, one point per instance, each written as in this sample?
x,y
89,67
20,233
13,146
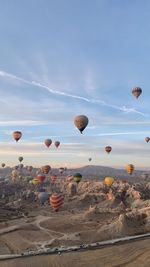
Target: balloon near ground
x,y
45,169
17,135
41,177
43,197
35,181
136,91
129,168
3,165
77,177
56,201
108,181
81,122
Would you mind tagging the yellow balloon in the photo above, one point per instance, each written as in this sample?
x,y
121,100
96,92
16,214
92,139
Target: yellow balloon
x,y
35,181
108,181
129,168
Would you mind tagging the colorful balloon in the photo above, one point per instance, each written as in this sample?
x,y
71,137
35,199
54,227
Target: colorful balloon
x,y
77,177
45,169
56,201
43,197
57,144
41,177
129,168
48,142
17,135
81,122
108,181
108,149
136,91
36,181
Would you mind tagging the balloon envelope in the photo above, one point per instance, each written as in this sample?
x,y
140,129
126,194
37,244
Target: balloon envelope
x,y
17,135
136,91
108,149
57,144
129,168
81,122
45,169
20,159
77,177
56,201
108,181
48,142
41,177
43,197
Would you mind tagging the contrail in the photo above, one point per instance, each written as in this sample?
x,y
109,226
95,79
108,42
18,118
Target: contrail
x,y
56,92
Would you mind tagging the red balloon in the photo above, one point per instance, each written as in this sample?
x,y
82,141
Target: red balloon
x,y
41,177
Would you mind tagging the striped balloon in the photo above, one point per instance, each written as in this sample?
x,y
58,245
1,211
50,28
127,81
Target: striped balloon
x,y
56,201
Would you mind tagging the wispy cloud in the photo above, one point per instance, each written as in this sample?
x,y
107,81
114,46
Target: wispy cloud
x,y
61,93
122,133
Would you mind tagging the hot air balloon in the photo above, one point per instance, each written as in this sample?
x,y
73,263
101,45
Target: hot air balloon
x,y
81,121
20,159
14,174
41,177
77,177
129,168
45,169
48,142
108,149
53,178
36,181
3,165
43,197
61,170
147,139
108,181
56,201
136,91
57,144
90,159
17,135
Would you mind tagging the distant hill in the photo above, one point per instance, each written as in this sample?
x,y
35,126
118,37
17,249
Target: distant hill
x,y
101,171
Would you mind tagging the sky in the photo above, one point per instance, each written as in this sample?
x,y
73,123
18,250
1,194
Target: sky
x,y
63,58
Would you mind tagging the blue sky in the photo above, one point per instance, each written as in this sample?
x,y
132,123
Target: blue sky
x,y
62,58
